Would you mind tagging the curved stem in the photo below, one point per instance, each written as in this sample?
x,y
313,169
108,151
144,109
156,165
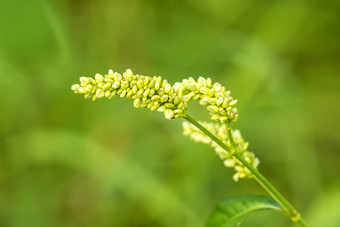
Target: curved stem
x,y
277,196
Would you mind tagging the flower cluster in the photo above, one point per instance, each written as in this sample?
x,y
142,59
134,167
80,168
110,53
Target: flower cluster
x,y
155,93
220,131
147,92
212,95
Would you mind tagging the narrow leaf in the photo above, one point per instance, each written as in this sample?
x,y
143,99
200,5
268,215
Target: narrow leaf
x,y
231,212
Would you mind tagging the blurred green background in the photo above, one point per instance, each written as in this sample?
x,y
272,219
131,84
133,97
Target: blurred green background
x,y
66,161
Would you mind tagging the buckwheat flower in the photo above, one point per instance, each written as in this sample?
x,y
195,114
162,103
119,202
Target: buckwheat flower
x,y
152,93
220,131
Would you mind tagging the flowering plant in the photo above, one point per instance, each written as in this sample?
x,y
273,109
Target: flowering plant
x,y
155,93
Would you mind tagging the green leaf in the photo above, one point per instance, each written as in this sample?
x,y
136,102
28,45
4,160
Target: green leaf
x,y
231,212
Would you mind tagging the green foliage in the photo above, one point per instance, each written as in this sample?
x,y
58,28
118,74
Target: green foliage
x,y
325,209
232,211
65,161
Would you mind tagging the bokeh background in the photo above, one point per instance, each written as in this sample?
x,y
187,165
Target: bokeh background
x,y
66,161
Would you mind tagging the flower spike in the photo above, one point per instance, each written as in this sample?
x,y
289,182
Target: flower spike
x,y
155,93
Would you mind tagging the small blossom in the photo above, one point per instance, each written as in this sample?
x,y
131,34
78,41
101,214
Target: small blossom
x,y
220,131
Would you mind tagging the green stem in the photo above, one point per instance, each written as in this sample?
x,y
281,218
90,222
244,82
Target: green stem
x,y
277,196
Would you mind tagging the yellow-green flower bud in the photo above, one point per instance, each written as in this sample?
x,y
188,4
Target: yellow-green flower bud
x,y
169,114
106,86
75,87
107,94
99,78
116,84
164,98
233,102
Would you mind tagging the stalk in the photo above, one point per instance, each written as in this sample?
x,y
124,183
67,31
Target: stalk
x,y
287,207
